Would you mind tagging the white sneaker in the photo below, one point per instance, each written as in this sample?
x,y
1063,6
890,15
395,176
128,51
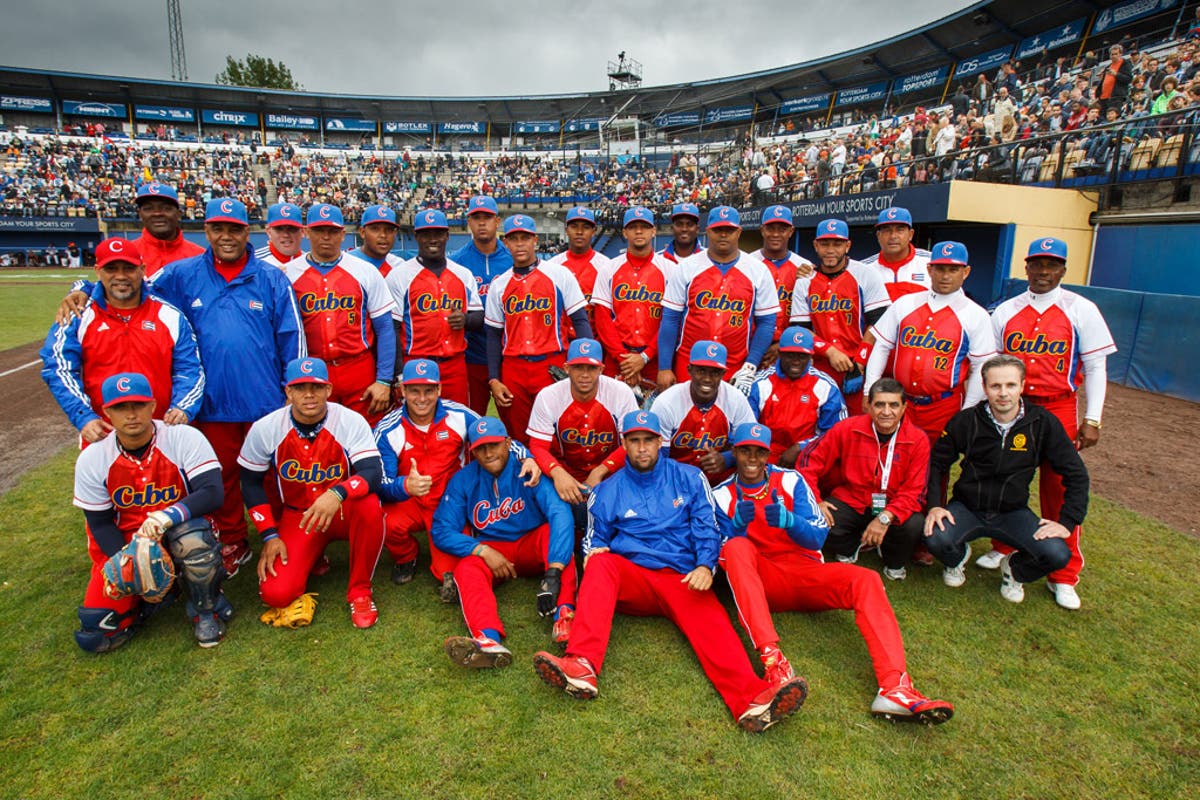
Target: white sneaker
x,y
956,576
1065,595
1011,589
989,560
898,574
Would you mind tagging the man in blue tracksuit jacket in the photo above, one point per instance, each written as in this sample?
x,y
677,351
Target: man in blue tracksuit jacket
x,y
651,549
499,528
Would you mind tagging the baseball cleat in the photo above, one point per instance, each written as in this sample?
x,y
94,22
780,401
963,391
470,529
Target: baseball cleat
x,y
363,612
481,652
989,560
777,670
448,591
573,674
773,704
209,630
897,574
956,576
233,555
1065,595
403,572
561,631
1011,589
904,703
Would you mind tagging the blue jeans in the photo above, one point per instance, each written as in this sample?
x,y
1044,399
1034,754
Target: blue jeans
x,y
1034,559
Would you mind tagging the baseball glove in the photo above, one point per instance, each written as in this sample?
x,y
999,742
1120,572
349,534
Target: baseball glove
x,y
296,615
141,567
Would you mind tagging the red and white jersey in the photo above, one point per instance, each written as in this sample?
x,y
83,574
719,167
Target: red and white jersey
x,y
106,477
305,468
907,276
1054,334
530,308
389,263
721,306
690,431
269,255
424,300
668,253
932,336
337,306
796,411
439,448
797,497
584,267
836,305
784,274
630,291
581,434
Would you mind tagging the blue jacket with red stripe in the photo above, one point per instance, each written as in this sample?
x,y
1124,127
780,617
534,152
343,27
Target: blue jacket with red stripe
x,y
484,267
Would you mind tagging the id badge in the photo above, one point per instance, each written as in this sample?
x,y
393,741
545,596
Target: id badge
x,y
878,502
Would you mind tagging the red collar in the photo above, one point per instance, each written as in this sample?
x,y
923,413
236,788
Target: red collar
x,y
895,265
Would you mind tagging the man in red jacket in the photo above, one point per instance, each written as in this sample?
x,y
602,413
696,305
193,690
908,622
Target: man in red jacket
x,y
162,240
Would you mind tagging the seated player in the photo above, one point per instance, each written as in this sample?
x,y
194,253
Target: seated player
x,y
155,480
327,470
652,548
496,528
772,558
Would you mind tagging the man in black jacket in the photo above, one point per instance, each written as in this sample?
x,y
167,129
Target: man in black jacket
x,y
1002,441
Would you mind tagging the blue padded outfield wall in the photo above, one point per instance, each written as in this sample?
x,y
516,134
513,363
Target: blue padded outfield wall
x,y
1157,258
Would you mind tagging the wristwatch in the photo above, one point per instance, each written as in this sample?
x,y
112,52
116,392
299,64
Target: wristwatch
x,y
1094,423
885,518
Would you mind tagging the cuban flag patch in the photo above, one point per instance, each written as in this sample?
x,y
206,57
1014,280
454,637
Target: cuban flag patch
x,y
148,325
256,305
442,436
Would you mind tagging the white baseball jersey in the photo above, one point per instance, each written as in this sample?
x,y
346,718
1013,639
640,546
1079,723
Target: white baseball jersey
x,y
585,433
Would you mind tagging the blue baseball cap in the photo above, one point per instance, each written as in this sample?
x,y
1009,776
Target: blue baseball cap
x,y
156,189
585,351
285,215
950,253
430,219
421,371
686,210
579,212
894,216
724,217
796,339
638,214
305,370
777,214
636,421
708,354
226,209
519,222
324,214
750,433
125,387
1047,248
486,430
832,229
482,204
373,214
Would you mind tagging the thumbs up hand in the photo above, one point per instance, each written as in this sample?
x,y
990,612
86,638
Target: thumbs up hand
x,y
777,513
416,484
743,511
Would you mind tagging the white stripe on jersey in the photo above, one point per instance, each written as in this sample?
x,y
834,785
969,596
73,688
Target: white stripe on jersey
x,y
348,427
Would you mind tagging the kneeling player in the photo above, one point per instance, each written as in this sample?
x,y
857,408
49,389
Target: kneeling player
x,y
772,558
148,479
498,528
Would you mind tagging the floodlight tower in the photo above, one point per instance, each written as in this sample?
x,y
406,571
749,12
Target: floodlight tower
x,y
175,27
624,73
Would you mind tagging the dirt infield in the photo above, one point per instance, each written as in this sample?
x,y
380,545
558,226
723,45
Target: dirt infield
x,y
1146,459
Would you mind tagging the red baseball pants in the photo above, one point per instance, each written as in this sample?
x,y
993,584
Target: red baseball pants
x,y
226,439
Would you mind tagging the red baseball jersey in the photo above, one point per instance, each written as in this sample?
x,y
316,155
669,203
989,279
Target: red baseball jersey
x,y
721,306
530,308
585,268
106,477
783,272
906,276
581,434
796,411
305,468
629,292
668,253
836,305
689,431
785,483
1053,333
423,302
337,306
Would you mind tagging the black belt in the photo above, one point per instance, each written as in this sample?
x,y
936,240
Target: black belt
x,y
931,399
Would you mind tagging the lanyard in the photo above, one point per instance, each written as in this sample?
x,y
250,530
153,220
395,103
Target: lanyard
x,y
885,467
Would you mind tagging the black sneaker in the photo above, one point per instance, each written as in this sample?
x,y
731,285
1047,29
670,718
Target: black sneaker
x,y
403,572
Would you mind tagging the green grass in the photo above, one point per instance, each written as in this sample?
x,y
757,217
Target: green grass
x,y
27,309
1099,703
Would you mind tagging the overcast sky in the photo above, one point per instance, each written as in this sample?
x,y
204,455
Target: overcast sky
x,y
447,47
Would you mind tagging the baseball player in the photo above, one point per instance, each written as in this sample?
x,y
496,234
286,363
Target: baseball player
x,y
525,309
377,229
797,403
838,303
903,268
698,414
784,265
773,530
651,549
162,239
285,234
940,339
579,258
324,464
147,478
721,295
123,329
437,305
486,259
347,313
685,230
1057,334
627,303
497,528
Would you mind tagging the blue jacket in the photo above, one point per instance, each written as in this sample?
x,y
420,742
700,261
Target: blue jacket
x,y
484,268
248,329
656,519
500,509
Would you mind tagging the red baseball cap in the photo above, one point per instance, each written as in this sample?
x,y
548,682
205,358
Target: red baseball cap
x,y
118,249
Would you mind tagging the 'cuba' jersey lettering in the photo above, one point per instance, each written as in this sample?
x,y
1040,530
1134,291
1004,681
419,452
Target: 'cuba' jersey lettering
x,y
337,306
530,308
690,431
424,300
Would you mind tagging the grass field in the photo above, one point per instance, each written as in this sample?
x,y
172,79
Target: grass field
x,y
28,301
1099,703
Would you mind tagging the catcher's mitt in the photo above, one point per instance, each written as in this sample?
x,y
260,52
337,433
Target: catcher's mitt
x,y
141,567
296,615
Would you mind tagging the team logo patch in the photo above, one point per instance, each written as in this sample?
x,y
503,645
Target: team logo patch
x,y
154,188
429,217
711,351
1018,444
306,366
677,502
891,213
1047,244
117,245
723,213
947,249
226,206
756,431
122,384
323,212
831,226
285,211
